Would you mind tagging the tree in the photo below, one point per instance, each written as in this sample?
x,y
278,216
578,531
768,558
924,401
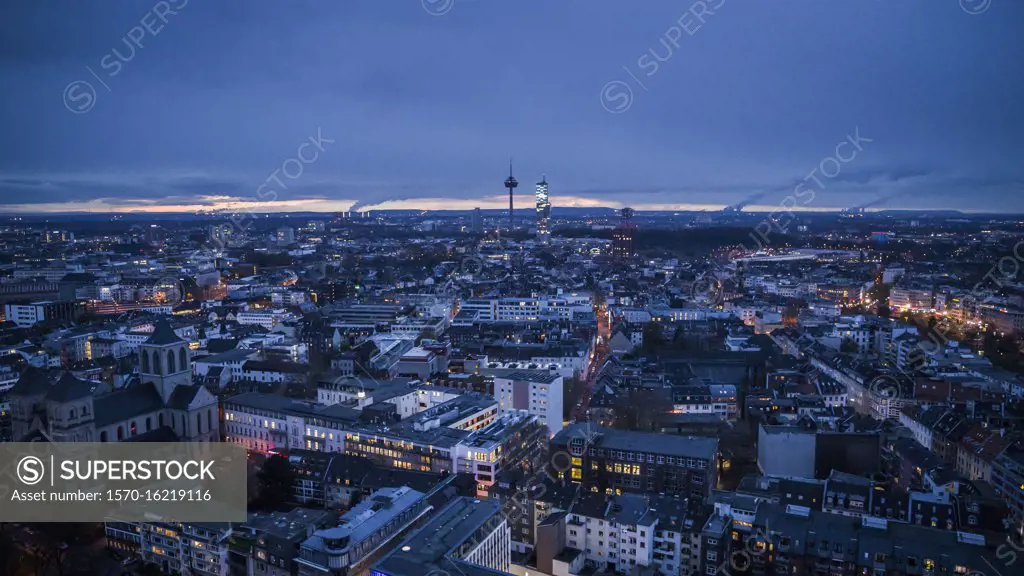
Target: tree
x,y
848,346
275,480
652,336
54,540
10,560
679,338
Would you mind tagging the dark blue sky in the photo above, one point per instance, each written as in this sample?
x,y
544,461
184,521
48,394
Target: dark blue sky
x,y
425,109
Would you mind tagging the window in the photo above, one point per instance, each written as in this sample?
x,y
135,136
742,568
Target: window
x,y
712,556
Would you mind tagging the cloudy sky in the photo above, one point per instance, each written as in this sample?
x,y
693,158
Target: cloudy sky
x,y
318,105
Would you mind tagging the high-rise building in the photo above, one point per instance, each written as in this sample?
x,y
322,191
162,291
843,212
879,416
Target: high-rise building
x,y
543,211
511,183
477,223
285,235
622,236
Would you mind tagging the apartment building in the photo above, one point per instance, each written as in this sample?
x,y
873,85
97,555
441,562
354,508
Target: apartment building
x,y
1008,480
717,400
631,532
270,541
535,391
183,548
793,539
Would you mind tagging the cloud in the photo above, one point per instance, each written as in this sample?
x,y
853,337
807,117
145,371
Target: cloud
x,y
190,191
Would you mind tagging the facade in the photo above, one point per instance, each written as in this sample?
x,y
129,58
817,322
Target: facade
x,y
718,400
183,548
477,222
267,319
911,298
29,314
622,236
631,532
527,309
1008,480
786,451
535,391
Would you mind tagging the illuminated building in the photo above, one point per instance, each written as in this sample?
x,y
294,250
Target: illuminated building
x,y
543,212
622,236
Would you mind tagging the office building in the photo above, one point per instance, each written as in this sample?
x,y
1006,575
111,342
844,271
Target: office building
x,y
25,315
543,212
622,236
467,537
612,461
477,222
365,533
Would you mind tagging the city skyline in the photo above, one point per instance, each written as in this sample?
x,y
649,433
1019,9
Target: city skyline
x,y
649,103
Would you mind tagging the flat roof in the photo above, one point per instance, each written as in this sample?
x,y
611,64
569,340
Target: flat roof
x,y
446,531
646,442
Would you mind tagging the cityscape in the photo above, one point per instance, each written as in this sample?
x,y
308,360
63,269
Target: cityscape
x,y
533,372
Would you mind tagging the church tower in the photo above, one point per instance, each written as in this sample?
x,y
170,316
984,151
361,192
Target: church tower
x,y
164,361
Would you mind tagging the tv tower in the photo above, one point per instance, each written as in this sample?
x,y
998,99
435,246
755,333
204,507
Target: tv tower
x,y
511,183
